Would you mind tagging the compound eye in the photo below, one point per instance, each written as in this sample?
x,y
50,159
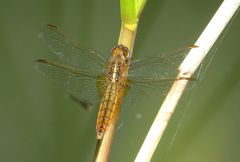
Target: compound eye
x,y
125,51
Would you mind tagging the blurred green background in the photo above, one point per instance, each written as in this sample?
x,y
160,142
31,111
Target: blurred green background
x,y
38,122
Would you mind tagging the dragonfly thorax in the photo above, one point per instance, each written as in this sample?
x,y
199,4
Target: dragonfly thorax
x,y
118,64
115,72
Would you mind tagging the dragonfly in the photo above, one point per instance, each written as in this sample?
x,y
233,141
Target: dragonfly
x,y
107,83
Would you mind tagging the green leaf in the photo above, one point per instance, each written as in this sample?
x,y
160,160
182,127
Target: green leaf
x,y
131,11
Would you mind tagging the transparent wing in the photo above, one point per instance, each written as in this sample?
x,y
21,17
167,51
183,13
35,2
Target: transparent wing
x,y
82,85
153,76
70,51
158,67
145,89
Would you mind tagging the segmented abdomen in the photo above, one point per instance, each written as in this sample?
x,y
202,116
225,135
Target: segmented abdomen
x,y
107,108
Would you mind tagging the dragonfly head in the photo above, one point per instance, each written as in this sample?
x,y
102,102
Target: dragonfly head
x,y
120,51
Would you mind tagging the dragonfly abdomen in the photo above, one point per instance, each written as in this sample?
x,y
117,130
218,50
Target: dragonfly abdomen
x,y
108,106
106,110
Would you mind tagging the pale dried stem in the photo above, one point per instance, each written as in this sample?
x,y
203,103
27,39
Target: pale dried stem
x,y
186,69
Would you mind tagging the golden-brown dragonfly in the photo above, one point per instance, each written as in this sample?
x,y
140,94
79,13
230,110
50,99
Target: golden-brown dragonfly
x,y
95,81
